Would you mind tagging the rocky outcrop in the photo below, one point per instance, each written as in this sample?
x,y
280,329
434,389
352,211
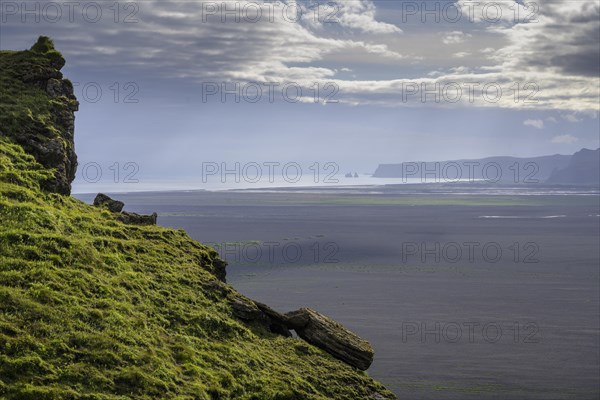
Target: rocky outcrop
x,y
137,219
325,333
246,309
45,128
129,218
219,269
103,200
315,328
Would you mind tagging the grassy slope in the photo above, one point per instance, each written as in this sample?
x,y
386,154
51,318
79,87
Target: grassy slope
x,y
91,308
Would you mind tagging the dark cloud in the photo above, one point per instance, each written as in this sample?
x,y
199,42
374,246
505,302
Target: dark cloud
x,y
173,40
587,64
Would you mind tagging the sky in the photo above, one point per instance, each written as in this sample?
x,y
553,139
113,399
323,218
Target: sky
x,y
168,87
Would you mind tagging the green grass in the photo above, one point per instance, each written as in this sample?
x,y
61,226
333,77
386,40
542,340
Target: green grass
x,y
91,308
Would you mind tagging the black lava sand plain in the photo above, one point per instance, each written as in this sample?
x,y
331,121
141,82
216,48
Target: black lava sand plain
x,y
462,296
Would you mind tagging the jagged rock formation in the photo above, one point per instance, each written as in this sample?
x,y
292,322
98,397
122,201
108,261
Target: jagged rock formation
x,y
312,326
137,219
250,310
37,110
245,309
103,200
91,307
129,218
332,337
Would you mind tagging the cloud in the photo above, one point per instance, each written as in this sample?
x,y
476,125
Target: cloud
x,y
461,54
381,49
176,40
455,37
571,118
359,15
561,38
564,139
552,44
536,123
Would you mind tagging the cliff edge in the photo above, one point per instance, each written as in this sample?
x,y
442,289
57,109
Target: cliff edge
x,y
92,307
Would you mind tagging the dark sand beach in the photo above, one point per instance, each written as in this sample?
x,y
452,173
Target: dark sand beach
x,y
493,295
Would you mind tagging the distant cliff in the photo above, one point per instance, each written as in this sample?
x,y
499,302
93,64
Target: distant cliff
x,y
491,169
583,169
96,303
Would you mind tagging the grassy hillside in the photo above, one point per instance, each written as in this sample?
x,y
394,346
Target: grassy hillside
x,y
91,308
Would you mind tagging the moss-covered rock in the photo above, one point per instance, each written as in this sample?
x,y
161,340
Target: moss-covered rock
x,y
37,110
103,201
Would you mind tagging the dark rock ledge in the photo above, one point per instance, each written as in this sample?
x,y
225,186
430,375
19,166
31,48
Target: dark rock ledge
x,y
312,326
115,206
